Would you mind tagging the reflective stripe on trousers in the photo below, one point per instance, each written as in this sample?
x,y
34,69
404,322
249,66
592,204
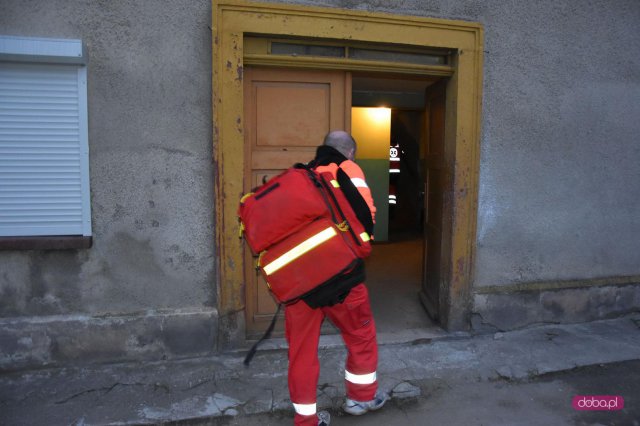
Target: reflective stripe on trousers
x,y
360,379
305,409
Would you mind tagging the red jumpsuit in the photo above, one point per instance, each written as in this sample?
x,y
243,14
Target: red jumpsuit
x,y
354,320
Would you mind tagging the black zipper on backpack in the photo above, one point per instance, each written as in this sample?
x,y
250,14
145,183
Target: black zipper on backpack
x,y
267,190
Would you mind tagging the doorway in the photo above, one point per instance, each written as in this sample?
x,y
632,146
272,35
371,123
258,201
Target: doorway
x,y
397,267
288,111
354,36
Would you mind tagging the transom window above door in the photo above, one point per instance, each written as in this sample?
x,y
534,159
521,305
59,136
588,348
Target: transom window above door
x,y
296,47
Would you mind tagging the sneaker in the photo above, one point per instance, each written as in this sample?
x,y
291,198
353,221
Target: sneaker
x,y
324,418
357,408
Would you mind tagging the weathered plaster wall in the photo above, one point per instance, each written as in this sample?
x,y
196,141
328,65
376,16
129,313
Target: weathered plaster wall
x,y
559,182
513,310
149,276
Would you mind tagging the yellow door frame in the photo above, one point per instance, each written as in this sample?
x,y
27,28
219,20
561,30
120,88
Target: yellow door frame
x,y
233,19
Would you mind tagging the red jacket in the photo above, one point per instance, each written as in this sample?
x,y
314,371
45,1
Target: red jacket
x,y
357,177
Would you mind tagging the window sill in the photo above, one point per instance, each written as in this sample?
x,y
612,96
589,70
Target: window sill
x,y
64,242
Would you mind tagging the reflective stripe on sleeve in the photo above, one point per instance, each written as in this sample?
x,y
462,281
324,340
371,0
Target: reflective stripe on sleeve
x,y
360,379
305,409
335,183
359,183
365,237
299,250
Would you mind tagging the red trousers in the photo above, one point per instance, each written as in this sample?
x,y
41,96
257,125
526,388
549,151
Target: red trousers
x,y
302,325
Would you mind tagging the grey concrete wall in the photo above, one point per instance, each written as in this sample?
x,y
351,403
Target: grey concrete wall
x,y
149,95
559,181
513,310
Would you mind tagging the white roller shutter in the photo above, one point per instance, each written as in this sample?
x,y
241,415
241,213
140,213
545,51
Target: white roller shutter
x,y
44,173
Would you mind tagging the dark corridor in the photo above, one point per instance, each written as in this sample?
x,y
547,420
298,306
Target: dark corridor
x,y
395,269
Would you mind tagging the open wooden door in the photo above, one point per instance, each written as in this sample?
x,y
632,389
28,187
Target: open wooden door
x,y
287,113
436,177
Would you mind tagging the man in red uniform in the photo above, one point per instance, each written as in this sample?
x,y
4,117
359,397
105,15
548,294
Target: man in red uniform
x,y
352,316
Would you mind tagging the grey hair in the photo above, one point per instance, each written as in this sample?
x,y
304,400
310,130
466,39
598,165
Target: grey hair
x,y
342,141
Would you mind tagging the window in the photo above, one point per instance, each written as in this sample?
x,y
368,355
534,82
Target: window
x,y
340,49
279,48
44,151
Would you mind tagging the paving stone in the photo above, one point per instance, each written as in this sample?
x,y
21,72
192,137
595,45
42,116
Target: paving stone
x,y
223,401
406,390
259,405
505,372
231,412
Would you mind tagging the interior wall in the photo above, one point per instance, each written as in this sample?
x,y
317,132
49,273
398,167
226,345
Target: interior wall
x,y
371,128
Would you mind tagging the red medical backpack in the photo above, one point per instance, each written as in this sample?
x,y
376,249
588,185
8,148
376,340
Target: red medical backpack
x,y
309,242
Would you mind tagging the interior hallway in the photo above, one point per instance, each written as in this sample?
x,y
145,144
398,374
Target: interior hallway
x,y
394,274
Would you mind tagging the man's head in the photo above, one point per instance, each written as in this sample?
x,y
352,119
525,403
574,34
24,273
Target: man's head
x,y
343,142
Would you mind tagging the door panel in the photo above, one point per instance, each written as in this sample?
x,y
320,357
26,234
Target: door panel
x,y
287,113
276,121
436,177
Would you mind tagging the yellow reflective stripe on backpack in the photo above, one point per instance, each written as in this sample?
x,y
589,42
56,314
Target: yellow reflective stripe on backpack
x,y
302,248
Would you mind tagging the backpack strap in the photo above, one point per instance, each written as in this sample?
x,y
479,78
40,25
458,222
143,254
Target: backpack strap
x,y
313,175
360,207
267,334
